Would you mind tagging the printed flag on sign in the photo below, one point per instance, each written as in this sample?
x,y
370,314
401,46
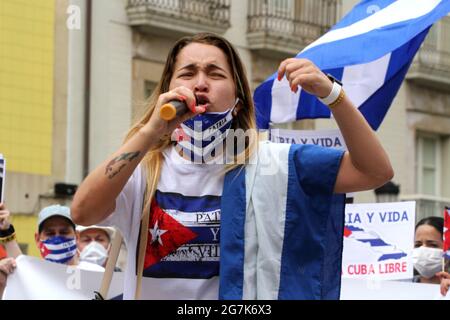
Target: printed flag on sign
x,y
377,244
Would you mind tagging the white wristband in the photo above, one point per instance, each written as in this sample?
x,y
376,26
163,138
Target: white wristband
x,y
334,94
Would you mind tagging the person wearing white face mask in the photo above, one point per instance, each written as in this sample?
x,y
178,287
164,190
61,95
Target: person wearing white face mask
x,y
427,253
94,244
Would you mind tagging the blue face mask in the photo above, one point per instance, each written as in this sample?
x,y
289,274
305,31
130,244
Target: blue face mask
x,y
204,133
58,249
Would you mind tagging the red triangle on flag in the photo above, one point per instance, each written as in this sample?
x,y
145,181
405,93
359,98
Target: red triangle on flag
x,y
347,232
165,235
43,250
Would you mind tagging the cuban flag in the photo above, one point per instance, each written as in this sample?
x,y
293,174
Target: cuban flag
x,y
447,233
282,226
369,50
184,234
385,250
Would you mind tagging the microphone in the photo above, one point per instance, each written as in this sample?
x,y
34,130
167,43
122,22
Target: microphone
x,y
172,109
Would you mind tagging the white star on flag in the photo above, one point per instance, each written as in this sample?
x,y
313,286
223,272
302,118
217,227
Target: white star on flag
x,y
157,233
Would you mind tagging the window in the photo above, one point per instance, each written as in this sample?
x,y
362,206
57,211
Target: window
x,y
279,8
149,86
443,33
284,8
428,164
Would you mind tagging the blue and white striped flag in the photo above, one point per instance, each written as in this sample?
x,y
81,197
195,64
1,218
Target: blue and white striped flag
x,y
281,230
370,50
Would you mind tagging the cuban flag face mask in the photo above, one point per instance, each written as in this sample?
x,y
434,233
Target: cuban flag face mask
x,y
58,249
203,134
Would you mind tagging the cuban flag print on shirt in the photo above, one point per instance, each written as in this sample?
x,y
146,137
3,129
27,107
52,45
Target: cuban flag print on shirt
x,y
183,245
183,239
182,254
369,50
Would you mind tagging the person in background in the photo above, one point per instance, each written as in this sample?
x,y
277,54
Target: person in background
x,y
7,266
56,239
8,234
8,240
56,236
445,282
427,253
94,244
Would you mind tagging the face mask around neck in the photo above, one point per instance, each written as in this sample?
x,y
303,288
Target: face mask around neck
x,y
204,133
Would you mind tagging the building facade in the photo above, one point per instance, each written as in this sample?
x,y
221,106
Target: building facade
x,y
33,107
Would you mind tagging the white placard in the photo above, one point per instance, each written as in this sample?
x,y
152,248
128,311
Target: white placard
x,y
36,279
331,138
378,241
326,138
357,289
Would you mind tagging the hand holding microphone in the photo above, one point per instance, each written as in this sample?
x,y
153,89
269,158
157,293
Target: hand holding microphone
x,y
173,109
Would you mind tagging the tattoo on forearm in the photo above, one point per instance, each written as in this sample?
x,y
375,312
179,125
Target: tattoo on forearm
x,y
112,169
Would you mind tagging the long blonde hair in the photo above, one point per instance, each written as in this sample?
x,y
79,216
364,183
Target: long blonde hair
x,y
244,120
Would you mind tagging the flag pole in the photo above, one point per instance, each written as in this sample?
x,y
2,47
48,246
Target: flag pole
x,y
109,269
446,241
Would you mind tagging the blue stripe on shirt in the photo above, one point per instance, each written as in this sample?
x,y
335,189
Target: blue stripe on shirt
x,y
176,201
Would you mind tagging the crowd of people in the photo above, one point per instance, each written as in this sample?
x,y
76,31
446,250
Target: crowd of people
x,y
58,240
88,247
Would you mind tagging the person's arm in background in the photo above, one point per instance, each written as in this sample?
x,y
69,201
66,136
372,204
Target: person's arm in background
x,y
7,266
11,247
365,165
445,282
94,200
